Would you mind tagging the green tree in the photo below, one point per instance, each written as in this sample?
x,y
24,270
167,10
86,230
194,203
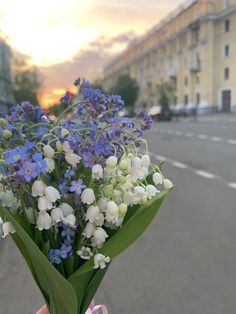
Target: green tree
x,y
26,82
128,89
166,93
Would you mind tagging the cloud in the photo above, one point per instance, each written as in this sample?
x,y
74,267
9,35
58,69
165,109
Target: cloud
x,y
88,63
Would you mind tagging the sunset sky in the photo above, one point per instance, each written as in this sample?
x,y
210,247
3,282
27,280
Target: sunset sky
x,y
73,37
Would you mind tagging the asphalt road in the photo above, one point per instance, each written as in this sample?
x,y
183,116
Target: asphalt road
x,y
186,262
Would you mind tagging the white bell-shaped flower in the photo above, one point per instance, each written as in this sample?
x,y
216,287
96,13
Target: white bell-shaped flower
x,y
145,161
66,147
102,204
59,146
97,172
99,237
92,213
112,212
52,194
48,151
85,253
64,132
8,198
100,261
168,184
44,203
88,196
140,194
111,162
89,230
136,163
151,191
72,159
122,209
7,228
157,178
99,220
44,221
38,188
50,165
57,215
66,209
70,220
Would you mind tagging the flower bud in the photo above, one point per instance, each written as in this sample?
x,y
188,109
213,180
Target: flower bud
x,y
3,122
122,209
64,132
111,162
7,228
66,209
151,191
88,196
59,146
48,151
124,164
44,221
52,194
38,188
145,161
168,184
157,178
56,215
7,134
97,172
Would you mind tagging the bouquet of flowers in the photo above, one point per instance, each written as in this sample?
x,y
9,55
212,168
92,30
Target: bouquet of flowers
x,y
76,192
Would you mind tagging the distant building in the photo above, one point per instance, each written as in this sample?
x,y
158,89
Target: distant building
x,y
193,48
6,89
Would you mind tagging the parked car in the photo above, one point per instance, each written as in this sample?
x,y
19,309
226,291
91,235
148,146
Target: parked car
x,y
161,114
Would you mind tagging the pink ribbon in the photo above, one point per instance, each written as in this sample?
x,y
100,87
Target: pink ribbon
x,y
97,309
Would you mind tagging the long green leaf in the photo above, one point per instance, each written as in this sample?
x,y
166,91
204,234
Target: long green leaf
x,y
57,291
130,231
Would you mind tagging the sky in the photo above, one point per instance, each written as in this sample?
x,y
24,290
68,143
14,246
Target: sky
x,y
70,38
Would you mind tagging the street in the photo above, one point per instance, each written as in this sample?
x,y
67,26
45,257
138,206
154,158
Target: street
x,y
186,262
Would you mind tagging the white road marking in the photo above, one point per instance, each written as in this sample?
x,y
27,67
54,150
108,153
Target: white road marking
x,y
202,137
216,139
179,165
189,134
161,158
205,174
233,142
178,133
232,185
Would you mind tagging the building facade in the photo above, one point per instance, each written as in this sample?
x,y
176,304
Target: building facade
x,y
193,49
6,88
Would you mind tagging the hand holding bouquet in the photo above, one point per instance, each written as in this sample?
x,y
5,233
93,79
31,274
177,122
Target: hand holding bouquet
x,y
76,193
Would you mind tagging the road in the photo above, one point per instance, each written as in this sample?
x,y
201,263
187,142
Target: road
x,y
186,262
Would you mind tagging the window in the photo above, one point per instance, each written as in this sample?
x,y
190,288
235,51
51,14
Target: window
x,y
197,78
226,73
185,100
226,51
227,26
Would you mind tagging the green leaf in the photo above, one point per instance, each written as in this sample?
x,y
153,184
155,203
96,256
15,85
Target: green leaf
x,y
130,231
57,291
92,287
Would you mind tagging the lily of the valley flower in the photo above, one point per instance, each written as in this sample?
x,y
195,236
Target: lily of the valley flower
x,y
72,159
88,196
168,184
151,191
100,261
44,203
145,161
112,212
99,237
89,230
48,151
56,215
66,209
157,178
38,188
70,220
7,228
50,165
111,162
44,221
85,253
52,194
97,172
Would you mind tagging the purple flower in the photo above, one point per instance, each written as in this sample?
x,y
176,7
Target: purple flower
x,y
55,256
15,155
28,171
65,251
41,163
77,186
69,173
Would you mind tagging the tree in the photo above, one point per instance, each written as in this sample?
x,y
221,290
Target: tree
x,y
26,82
128,89
166,92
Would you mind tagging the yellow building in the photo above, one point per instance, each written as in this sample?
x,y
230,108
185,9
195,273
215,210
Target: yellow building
x,y
194,48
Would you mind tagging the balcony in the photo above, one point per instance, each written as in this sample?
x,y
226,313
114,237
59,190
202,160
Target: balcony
x,y
195,65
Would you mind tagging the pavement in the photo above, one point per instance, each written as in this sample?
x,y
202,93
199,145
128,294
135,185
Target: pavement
x,y
185,263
